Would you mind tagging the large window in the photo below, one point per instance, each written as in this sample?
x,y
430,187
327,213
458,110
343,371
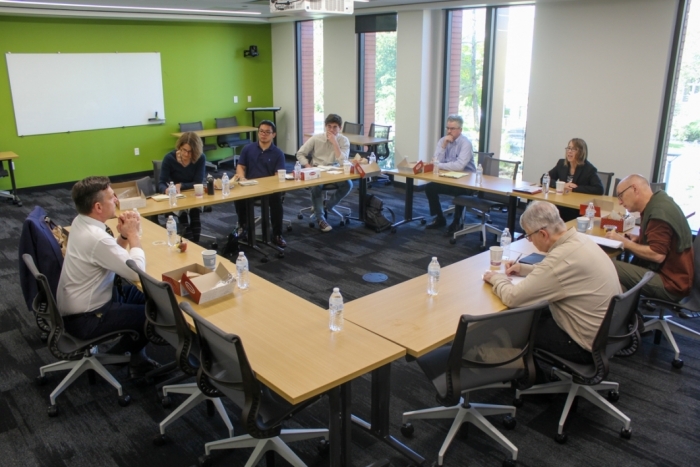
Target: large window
x,y
310,77
487,77
680,168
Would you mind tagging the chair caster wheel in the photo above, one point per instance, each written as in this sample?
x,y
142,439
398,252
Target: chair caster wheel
x,y
423,222
53,410
166,402
518,402
509,463
289,228
483,248
264,259
204,461
124,400
561,438
160,440
41,380
342,223
214,246
347,221
393,230
625,434
407,430
324,447
453,241
280,255
613,396
677,363
509,422
300,216
312,225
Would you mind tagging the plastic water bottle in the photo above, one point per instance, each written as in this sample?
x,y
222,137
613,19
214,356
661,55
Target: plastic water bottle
x,y
242,270
479,174
335,306
545,183
590,214
171,227
225,185
505,243
297,171
372,158
140,227
436,166
172,194
433,276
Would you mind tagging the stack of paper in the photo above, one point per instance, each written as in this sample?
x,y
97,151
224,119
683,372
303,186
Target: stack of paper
x,y
453,174
606,242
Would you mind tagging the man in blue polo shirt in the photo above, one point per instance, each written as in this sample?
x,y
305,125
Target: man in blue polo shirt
x,y
262,159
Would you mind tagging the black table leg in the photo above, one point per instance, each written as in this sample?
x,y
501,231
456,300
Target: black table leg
x,y
251,242
340,400
512,207
265,223
379,417
361,201
13,193
408,209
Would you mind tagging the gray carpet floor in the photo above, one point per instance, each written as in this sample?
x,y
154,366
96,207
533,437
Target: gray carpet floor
x,y
93,430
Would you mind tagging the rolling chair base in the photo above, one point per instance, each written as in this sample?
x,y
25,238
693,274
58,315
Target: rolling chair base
x,y
667,328
195,397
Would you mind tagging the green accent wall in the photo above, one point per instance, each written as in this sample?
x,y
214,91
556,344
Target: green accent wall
x,y
203,68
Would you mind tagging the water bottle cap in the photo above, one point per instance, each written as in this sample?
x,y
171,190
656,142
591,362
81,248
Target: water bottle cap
x,y
336,289
434,258
240,253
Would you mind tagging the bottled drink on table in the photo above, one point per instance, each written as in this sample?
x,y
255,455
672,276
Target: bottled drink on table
x,y
505,243
139,216
171,228
335,307
225,185
172,194
242,271
590,214
545,183
436,168
372,158
297,171
479,174
433,276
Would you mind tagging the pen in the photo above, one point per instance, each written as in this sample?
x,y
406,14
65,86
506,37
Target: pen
x,y
517,259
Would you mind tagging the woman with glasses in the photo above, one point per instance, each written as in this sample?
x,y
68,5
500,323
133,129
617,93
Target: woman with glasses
x,y
185,167
580,175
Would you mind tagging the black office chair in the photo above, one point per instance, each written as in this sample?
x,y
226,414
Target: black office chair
x,y
166,323
488,350
225,368
74,354
482,203
232,141
353,129
197,126
478,159
658,186
689,307
606,178
382,151
618,329
337,210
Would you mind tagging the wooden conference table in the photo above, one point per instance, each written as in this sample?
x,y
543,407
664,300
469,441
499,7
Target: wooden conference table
x,y
265,186
230,130
10,156
286,338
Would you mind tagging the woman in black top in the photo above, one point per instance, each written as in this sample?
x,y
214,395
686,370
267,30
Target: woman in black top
x,y
580,175
185,166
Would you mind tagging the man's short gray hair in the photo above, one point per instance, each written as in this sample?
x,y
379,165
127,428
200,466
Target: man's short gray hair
x,y
541,214
456,118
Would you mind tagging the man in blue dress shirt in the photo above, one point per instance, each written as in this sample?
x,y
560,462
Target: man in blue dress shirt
x,y
262,159
454,153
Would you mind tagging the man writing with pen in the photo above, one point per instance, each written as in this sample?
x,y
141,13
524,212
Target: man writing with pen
x,y
576,277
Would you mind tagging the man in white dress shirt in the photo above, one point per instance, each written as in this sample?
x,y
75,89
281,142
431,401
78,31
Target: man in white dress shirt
x,y
326,149
89,301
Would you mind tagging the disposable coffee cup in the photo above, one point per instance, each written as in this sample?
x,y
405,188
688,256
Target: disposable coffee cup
x,y
346,167
560,187
198,190
582,224
281,173
209,259
496,256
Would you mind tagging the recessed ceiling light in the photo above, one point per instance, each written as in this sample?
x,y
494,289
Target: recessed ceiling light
x,y
138,8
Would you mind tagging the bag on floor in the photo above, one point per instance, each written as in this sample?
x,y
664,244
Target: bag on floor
x,y
374,215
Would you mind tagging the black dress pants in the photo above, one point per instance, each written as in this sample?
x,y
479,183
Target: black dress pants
x,y
276,212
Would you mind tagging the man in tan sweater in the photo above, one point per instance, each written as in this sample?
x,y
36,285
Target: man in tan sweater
x,y
576,277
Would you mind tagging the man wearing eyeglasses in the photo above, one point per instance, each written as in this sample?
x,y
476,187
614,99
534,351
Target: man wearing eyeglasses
x,y
453,152
576,277
664,244
262,159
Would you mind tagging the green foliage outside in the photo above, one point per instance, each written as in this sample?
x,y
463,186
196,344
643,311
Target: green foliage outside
x,y
385,85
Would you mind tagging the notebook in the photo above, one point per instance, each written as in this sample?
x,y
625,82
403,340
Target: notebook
x,y
532,258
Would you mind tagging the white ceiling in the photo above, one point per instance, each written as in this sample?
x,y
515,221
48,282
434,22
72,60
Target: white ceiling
x,y
210,10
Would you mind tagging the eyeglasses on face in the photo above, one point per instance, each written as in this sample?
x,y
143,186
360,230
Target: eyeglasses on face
x,y
264,132
534,232
185,151
619,195
569,148
453,128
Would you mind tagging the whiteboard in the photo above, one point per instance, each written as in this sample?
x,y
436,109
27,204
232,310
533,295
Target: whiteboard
x,y
56,93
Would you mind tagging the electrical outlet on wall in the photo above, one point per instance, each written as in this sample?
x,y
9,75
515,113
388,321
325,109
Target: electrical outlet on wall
x,y
250,98
235,99
136,152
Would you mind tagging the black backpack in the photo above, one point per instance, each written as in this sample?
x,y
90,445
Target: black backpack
x,y
374,217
